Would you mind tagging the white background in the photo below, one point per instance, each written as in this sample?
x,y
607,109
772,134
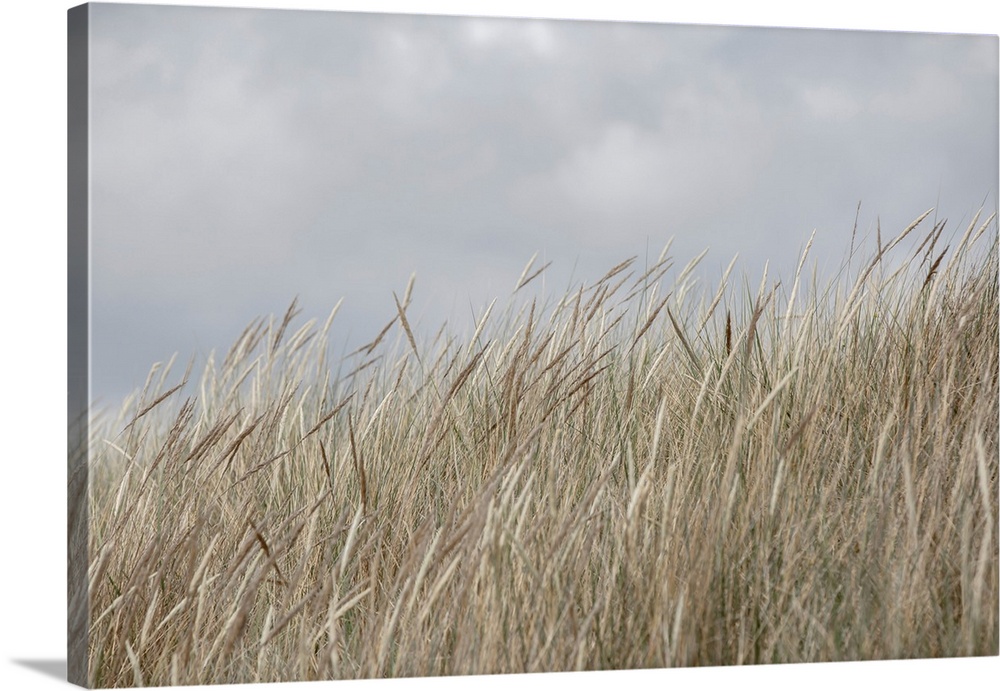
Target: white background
x,y
33,336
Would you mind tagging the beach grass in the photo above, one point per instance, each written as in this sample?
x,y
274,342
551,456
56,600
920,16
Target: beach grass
x,y
638,473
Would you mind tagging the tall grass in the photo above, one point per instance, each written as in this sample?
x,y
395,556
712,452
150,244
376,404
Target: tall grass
x,y
633,476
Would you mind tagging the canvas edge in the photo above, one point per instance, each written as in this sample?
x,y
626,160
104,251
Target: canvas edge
x,y
78,343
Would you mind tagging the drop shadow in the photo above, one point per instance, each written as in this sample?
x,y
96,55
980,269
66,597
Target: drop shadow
x,y
55,668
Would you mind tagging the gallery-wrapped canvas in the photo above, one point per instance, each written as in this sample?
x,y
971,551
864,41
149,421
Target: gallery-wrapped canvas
x,y
413,346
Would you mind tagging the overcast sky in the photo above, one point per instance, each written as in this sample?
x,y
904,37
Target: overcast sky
x,y
243,157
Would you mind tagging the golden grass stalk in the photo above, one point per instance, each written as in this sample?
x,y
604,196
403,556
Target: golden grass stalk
x,y
582,486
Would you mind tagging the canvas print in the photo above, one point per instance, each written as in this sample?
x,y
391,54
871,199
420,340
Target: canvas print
x,y
407,346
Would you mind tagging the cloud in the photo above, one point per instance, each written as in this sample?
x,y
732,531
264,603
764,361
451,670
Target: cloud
x,y
537,36
827,102
243,157
627,181
408,69
928,95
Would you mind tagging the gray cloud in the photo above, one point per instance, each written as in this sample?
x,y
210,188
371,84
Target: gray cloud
x,y
243,157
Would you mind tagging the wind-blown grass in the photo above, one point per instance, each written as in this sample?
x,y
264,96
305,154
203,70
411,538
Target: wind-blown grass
x,y
634,476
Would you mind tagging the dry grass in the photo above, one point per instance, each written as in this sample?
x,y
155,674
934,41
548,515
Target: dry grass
x,y
628,478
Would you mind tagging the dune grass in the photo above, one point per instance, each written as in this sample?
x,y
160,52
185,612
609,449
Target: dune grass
x,y
637,475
